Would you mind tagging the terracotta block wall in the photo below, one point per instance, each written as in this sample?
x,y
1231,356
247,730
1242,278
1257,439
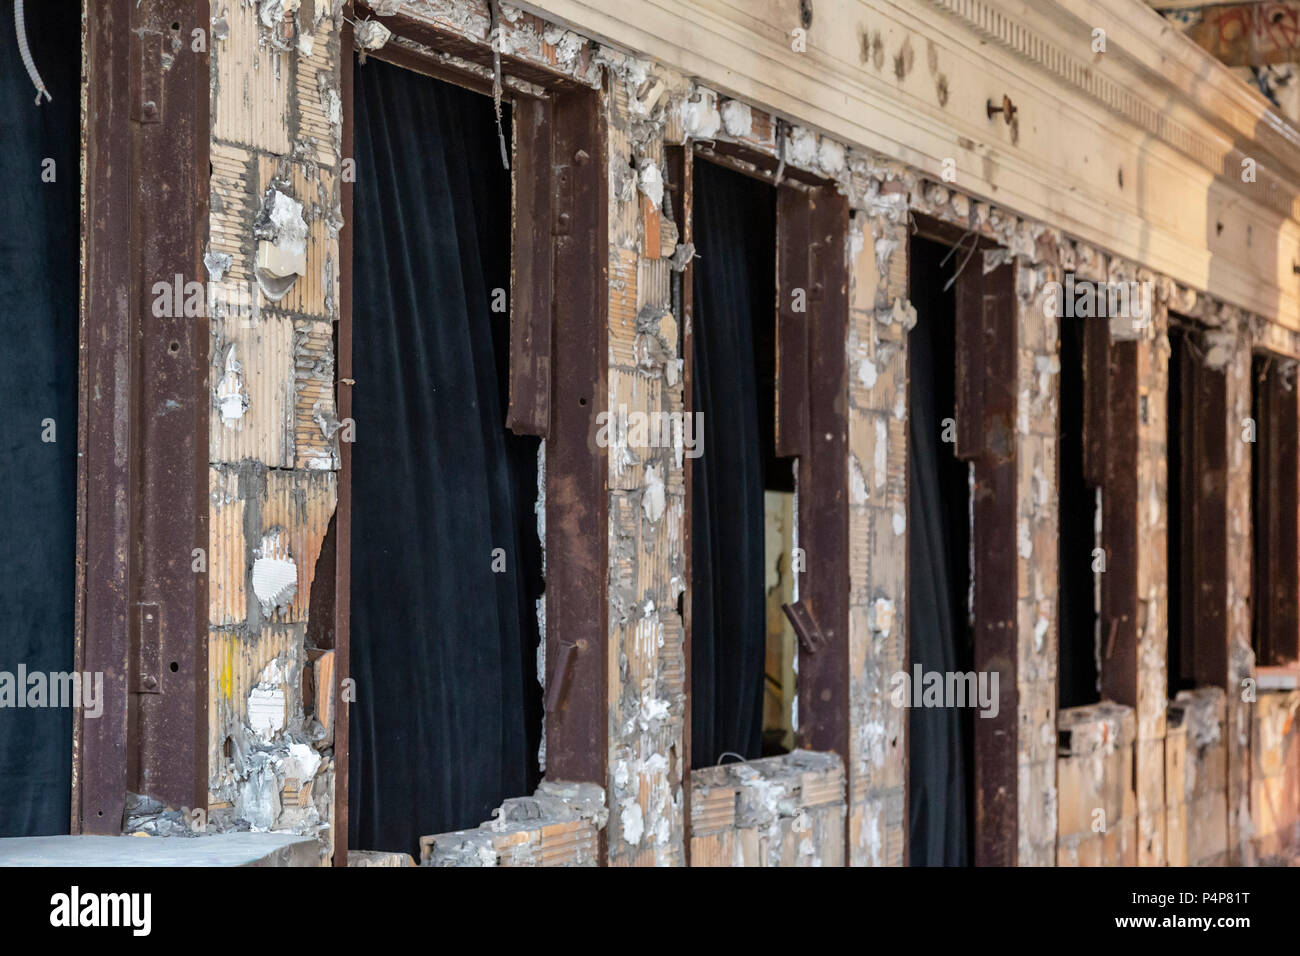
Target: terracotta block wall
x,y
276,126
1098,807
276,129
1037,523
1275,777
879,320
778,811
1200,716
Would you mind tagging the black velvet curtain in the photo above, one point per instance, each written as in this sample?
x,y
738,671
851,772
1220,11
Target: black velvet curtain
x,y
446,563
734,290
39,262
940,761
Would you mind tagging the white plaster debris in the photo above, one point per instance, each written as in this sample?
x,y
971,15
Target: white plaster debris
x,y
1220,345
867,373
301,764
330,100
217,264
737,118
633,822
652,711
385,8
904,313
273,12
567,44
370,34
651,182
267,701
858,493
1024,539
258,797
830,156
885,246
652,501
700,116
275,574
802,147
232,400
881,616
282,246
880,455
900,523
1040,631
643,90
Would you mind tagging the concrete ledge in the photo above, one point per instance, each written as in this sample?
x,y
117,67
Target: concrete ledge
x,y
219,849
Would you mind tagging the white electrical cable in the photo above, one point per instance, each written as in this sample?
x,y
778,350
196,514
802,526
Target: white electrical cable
x,y
26,54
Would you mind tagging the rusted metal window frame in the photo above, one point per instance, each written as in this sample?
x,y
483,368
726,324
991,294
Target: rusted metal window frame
x,y
1275,503
812,423
1203,514
987,337
142,612
1111,404
558,377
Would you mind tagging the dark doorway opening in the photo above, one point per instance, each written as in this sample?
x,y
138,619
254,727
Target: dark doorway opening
x,y
1197,542
734,380
940,586
1177,539
1274,503
1077,541
446,562
40,261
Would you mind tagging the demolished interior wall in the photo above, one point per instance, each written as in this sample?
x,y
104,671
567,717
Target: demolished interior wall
x,y
273,277
274,232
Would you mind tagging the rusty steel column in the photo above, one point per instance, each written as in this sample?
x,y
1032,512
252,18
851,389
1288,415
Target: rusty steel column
x,y
987,340
144,425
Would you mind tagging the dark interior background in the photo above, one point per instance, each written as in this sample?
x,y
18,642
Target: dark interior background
x,y
1077,671
447,719
39,269
1180,672
940,637
734,351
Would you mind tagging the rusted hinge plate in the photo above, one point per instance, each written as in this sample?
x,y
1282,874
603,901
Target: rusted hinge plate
x,y
146,649
147,81
563,221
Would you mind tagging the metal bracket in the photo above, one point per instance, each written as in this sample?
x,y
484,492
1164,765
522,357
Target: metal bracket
x,y
147,82
146,649
810,635
563,220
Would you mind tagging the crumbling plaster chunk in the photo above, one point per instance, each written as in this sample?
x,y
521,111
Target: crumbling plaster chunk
x,y
281,231
370,34
231,398
275,573
267,702
700,116
737,119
